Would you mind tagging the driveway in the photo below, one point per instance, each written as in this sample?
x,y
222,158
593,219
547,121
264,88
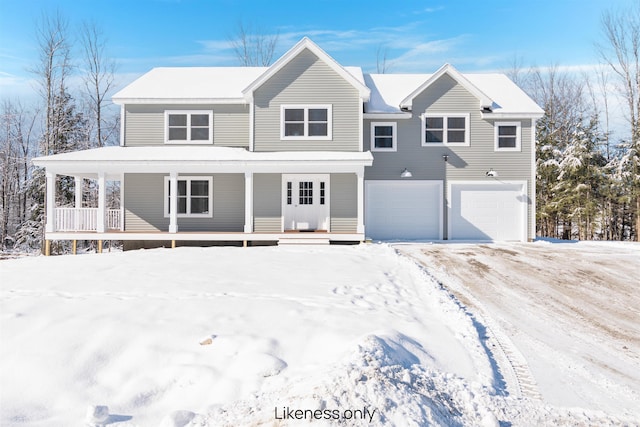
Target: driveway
x,y
567,312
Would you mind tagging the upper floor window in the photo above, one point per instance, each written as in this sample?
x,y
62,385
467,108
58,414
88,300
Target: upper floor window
x,y
195,196
383,136
445,129
507,136
188,127
305,122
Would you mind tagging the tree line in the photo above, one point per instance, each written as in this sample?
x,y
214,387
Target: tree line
x,y
65,119
587,180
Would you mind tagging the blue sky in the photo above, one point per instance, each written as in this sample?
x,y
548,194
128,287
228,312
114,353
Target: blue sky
x,y
419,36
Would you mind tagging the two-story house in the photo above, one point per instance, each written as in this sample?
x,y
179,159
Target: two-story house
x,y
308,150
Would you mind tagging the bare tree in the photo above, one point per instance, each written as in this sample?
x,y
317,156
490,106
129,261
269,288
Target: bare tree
x,y
382,65
98,78
621,52
52,70
253,48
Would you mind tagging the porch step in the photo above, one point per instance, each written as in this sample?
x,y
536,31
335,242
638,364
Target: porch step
x,y
303,239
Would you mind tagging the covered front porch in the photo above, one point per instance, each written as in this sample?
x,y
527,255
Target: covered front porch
x,y
211,194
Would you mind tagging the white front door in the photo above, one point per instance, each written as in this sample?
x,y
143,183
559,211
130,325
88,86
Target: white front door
x,y
305,202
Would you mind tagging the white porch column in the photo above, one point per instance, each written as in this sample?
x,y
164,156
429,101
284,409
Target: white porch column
x,y
248,202
102,202
50,202
78,191
360,195
173,202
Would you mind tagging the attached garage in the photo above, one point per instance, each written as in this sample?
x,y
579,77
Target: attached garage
x,y
488,211
408,210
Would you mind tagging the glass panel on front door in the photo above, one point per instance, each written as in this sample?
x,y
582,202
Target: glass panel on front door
x,y
306,192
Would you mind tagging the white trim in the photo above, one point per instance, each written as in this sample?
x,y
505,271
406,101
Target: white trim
x,y
123,121
361,126
178,101
509,116
102,202
445,116
188,113
360,202
51,201
496,126
248,202
306,108
122,206
188,179
532,217
523,190
387,116
394,136
252,126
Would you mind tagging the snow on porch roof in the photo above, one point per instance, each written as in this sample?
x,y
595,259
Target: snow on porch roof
x,y
195,155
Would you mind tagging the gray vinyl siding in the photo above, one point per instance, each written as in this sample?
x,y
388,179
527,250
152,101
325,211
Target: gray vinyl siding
x,y
344,203
144,204
307,80
465,163
144,124
267,203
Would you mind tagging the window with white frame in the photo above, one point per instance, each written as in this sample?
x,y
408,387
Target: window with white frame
x,y
507,136
383,136
445,129
195,196
305,122
188,127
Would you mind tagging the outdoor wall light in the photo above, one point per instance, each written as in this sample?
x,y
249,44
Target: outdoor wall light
x,y
445,157
491,173
406,174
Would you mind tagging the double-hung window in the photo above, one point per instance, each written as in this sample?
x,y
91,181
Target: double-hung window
x,y
305,122
383,136
195,196
445,129
188,127
507,136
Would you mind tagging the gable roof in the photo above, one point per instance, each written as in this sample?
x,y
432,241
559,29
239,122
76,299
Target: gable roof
x,y
485,101
303,44
388,91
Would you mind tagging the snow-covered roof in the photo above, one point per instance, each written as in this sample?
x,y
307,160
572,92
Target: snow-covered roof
x,y
197,159
189,85
389,90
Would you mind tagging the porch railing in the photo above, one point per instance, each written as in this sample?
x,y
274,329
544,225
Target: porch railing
x,y
86,219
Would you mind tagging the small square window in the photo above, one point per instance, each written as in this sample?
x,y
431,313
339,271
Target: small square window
x,y
507,136
195,196
383,136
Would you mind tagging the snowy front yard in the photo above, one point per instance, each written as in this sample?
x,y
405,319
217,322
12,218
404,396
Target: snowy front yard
x,y
257,336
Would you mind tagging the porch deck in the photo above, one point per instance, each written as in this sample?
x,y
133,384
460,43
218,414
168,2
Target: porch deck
x,y
237,236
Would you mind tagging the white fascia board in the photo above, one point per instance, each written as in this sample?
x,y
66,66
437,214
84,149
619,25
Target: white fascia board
x,y
89,169
485,100
122,101
510,116
387,116
306,43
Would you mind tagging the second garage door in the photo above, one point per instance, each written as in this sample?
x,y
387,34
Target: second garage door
x,y
488,211
397,210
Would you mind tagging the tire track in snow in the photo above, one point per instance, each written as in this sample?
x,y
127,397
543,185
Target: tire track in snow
x,y
515,369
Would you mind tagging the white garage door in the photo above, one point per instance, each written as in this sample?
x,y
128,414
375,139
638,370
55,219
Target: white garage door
x,y
488,211
403,210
